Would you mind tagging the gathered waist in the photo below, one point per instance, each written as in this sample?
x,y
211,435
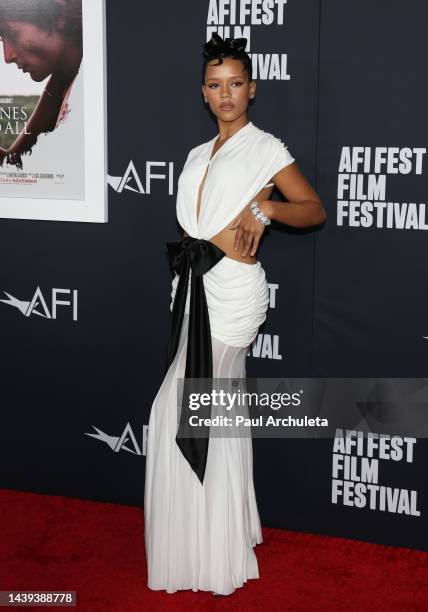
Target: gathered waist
x,y
225,255
229,280
229,262
228,269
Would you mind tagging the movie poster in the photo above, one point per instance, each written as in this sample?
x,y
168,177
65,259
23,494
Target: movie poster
x,y
43,76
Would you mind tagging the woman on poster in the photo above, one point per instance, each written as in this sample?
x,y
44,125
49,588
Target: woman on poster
x,y
201,516
42,39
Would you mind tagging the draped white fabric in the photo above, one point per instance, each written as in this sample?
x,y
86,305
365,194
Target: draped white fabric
x,y
239,169
237,298
199,537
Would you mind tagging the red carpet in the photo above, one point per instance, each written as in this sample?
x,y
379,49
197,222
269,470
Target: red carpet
x,y
97,549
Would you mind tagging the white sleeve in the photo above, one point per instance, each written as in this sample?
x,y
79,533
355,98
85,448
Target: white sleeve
x,y
281,156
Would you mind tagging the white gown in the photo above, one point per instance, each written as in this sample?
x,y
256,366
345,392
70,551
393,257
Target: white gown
x,y
202,536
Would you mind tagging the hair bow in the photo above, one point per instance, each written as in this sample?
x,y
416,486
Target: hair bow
x,y
218,45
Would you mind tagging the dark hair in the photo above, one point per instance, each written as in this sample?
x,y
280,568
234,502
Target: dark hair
x,y
44,14
217,48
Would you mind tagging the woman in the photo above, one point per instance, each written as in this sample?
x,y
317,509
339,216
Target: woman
x,y
42,40
201,517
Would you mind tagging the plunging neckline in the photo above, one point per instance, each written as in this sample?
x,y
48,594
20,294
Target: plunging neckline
x,y
210,159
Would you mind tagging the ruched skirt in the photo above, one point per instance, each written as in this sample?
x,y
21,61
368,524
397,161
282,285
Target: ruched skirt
x,y
237,298
202,536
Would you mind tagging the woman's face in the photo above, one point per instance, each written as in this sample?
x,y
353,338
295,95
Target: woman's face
x,y
33,49
227,88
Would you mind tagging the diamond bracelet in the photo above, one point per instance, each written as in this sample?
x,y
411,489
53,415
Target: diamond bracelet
x,y
258,213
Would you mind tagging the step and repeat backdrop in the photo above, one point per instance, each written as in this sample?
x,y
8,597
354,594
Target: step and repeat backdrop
x,y
84,307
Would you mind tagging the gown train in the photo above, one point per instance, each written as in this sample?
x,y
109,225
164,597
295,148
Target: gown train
x,y
199,537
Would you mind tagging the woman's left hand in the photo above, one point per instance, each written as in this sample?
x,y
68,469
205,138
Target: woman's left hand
x,y
249,230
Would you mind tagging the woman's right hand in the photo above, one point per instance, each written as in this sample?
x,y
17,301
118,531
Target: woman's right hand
x,y
3,153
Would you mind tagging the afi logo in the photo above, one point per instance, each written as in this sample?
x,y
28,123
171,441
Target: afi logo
x,y
38,306
118,443
132,182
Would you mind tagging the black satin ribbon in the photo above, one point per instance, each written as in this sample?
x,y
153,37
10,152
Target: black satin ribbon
x,y
200,256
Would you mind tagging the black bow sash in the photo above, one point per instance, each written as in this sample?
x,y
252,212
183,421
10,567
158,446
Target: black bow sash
x,y
199,255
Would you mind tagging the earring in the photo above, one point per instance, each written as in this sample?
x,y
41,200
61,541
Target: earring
x,y
251,97
206,100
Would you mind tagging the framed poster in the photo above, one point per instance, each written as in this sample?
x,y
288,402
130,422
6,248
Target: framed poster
x,y
53,110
